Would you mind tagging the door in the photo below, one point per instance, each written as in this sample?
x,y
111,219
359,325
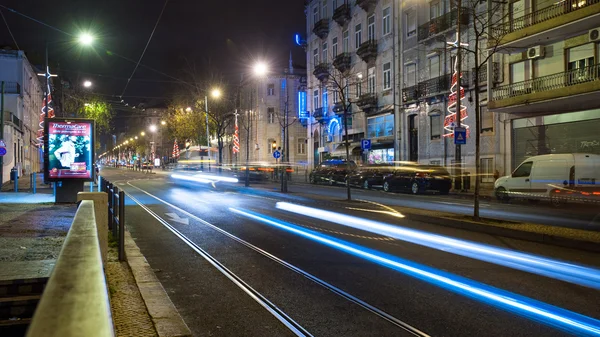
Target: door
x,y
546,174
413,138
316,154
519,183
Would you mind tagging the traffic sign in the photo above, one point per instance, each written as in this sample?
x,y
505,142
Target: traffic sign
x,y
276,154
365,144
2,151
460,136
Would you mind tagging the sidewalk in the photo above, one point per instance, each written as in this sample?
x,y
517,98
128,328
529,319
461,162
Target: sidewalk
x,y
32,232
25,184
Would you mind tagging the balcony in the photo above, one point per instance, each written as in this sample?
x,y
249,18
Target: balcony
x,y
338,108
10,118
553,23
319,113
341,15
442,23
483,78
367,102
321,28
342,62
12,88
578,88
367,50
321,71
366,5
435,86
410,94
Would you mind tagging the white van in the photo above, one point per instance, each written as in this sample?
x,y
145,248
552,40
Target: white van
x,y
557,177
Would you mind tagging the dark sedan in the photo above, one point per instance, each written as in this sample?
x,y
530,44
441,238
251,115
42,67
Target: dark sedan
x,y
370,176
418,179
332,172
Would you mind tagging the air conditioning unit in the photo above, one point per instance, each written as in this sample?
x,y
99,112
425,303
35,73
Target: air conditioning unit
x,y
594,35
535,52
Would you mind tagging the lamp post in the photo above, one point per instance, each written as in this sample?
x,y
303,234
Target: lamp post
x,y
260,69
215,93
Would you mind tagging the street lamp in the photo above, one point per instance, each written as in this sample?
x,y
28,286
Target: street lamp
x,y
163,123
85,39
153,128
87,84
260,69
215,93
142,133
188,109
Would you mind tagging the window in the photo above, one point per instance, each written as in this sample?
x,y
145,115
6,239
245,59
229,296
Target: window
x,y
387,76
487,170
347,120
301,145
336,96
270,89
324,52
324,10
271,145
386,23
371,27
315,57
435,125
434,66
523,171
316,99
411,23
358,89
581,64
334,44
345,41
325,101
410,75
487,120
357,35
434,9
346,90
271,115
380,126
334,5
371,80
315,14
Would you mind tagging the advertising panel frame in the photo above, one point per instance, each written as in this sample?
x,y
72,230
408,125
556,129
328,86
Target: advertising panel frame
x,y
92,150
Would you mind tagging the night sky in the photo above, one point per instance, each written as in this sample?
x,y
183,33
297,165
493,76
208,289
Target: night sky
x,y
214,37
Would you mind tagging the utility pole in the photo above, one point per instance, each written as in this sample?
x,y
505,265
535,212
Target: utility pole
x,y
286,153
458,155
2,130
248,139
207,139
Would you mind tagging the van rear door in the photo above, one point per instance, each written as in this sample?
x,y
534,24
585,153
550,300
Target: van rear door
x,y
548,174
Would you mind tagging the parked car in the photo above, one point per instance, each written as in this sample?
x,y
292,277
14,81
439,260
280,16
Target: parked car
x,y
417,179
254,175
370,176
332,171
555,177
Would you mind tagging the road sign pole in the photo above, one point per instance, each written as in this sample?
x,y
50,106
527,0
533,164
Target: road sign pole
x,y
1,130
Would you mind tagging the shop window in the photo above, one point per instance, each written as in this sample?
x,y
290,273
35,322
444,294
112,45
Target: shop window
x,y
486,168
487,120
379,156
435,126
380,126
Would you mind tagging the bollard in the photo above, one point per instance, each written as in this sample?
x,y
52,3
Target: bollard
x,y
115,208
16,182
100,183
110,205
121,226
33,182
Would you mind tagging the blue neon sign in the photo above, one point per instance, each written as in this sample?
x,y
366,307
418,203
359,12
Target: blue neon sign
x,y
302,113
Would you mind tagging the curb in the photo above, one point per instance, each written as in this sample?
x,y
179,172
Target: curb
x,y
165,317
508,232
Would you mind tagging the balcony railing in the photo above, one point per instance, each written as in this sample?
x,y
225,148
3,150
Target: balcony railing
x,y
544,14
367,102
410,94
442,23
321,28
483,78
321,71
342,62
546,83
435,86
367,50
12,88
366,4
341,15
319,113
10,118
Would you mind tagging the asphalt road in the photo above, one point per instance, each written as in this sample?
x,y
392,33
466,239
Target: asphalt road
x,y
327,279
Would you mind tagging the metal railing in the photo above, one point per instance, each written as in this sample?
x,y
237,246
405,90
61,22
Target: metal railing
x,y
116,214
549,82
541,15
442,23
410,94
12,88
319,113
434,86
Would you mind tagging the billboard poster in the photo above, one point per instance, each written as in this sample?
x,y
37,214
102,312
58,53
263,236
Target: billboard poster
x,y
69,149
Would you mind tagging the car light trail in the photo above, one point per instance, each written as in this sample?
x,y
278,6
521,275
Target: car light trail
x,y
560,270
204,178
533,309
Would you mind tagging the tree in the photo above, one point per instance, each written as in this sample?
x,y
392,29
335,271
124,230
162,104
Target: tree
x,y
484,19
90,106
220,115
184,123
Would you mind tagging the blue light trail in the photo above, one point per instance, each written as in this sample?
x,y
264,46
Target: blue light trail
x,y
536,310
572,273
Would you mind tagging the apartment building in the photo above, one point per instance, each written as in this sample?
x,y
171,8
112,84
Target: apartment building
x,y
352,55
549,99
23,94
264,102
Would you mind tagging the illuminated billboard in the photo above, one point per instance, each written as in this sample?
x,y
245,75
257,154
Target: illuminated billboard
x,y
69,149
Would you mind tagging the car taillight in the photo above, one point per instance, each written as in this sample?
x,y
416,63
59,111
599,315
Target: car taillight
x,y
422,175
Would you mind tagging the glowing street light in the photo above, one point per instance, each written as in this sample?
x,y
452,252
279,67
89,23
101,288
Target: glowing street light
x,y
163,123
85,39
136,137
260,69
87,84
153,128
188,109
131,139
142,133
216,93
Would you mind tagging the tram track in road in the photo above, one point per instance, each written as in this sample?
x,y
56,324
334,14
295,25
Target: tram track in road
x,y
295,327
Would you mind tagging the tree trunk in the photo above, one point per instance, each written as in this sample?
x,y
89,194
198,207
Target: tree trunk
x,y
220,144
347,150
477,145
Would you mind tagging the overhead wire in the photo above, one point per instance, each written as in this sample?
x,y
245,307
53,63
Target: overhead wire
x,y
9,31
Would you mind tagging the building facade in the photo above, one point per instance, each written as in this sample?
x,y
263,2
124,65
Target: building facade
x,y
264,104
23,95
549,98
